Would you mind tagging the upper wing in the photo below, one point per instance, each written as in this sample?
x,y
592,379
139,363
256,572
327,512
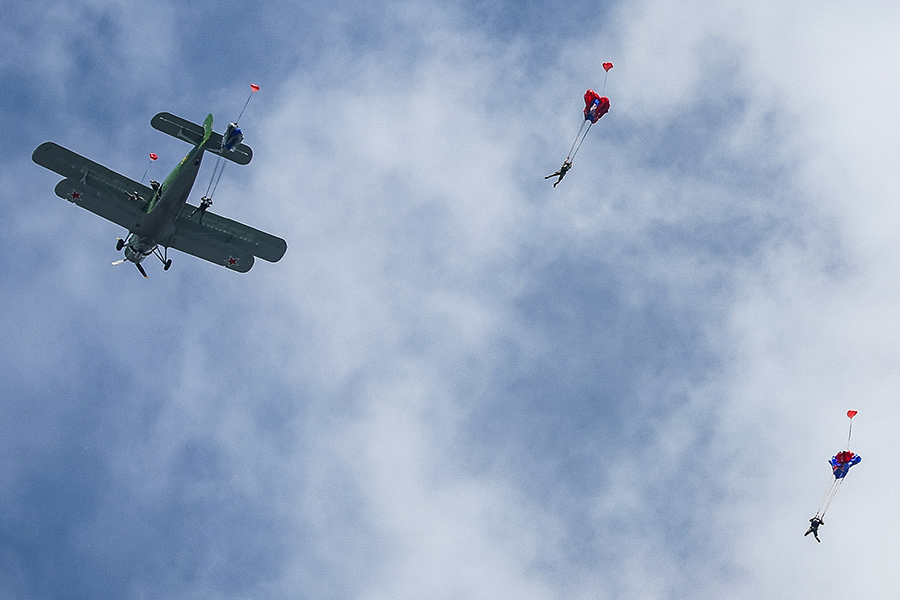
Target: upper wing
x,y
92,186
193,133
223,241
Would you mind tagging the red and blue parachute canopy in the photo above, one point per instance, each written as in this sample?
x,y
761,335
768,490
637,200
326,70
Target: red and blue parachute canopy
x,y
842,461
595,106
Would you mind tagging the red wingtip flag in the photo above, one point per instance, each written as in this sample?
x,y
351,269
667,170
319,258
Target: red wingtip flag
x,y
852,413
254,88
153,156
607,66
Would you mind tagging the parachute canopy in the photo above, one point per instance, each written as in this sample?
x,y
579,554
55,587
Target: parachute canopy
x,y
254,88
153,156
232,137
595,106
842,461
607,66
852,413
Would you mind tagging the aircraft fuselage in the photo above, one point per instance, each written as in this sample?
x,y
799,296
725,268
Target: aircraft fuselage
x,y
157,224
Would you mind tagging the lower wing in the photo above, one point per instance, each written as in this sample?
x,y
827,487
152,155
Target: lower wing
x,y
223,241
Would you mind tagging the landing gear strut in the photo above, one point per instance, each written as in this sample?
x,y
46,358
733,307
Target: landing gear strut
x,y
163,257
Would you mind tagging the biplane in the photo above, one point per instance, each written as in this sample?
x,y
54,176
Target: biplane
x,y
159,216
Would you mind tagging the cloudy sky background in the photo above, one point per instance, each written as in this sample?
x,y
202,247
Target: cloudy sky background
x,y
459,382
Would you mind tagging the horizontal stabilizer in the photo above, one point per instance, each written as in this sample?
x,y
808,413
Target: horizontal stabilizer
x,y
193,134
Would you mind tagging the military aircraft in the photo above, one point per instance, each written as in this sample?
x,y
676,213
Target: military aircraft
x,y
160,216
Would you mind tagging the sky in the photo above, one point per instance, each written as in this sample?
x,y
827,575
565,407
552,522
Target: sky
x,y
459,382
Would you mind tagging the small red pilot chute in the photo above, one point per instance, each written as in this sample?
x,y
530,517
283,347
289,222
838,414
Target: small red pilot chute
x,y
606,67
153,157
850,415
253,88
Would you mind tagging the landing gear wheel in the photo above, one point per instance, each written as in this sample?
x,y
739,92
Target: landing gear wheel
x,y
120,243
167,264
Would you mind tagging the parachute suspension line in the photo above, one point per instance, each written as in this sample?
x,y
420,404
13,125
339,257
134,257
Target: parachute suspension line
x,y
245,108
833,494
211,179
577,135
582,140
219,178
217,174
849,433
826,500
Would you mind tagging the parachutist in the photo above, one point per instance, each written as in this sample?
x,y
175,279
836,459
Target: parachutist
x,y
205,202
814,528
157,187
567,164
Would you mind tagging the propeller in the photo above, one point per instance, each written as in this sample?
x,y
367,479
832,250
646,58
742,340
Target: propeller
x,y
138,265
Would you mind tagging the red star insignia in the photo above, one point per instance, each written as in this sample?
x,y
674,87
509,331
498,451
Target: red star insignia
x,y
231,262
75,195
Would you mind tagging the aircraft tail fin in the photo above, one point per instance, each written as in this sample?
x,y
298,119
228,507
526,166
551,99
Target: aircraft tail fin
x,y
207,128
200,134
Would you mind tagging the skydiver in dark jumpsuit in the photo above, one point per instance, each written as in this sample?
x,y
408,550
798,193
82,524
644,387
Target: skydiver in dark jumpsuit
x,y
567,164
205,202
814,528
